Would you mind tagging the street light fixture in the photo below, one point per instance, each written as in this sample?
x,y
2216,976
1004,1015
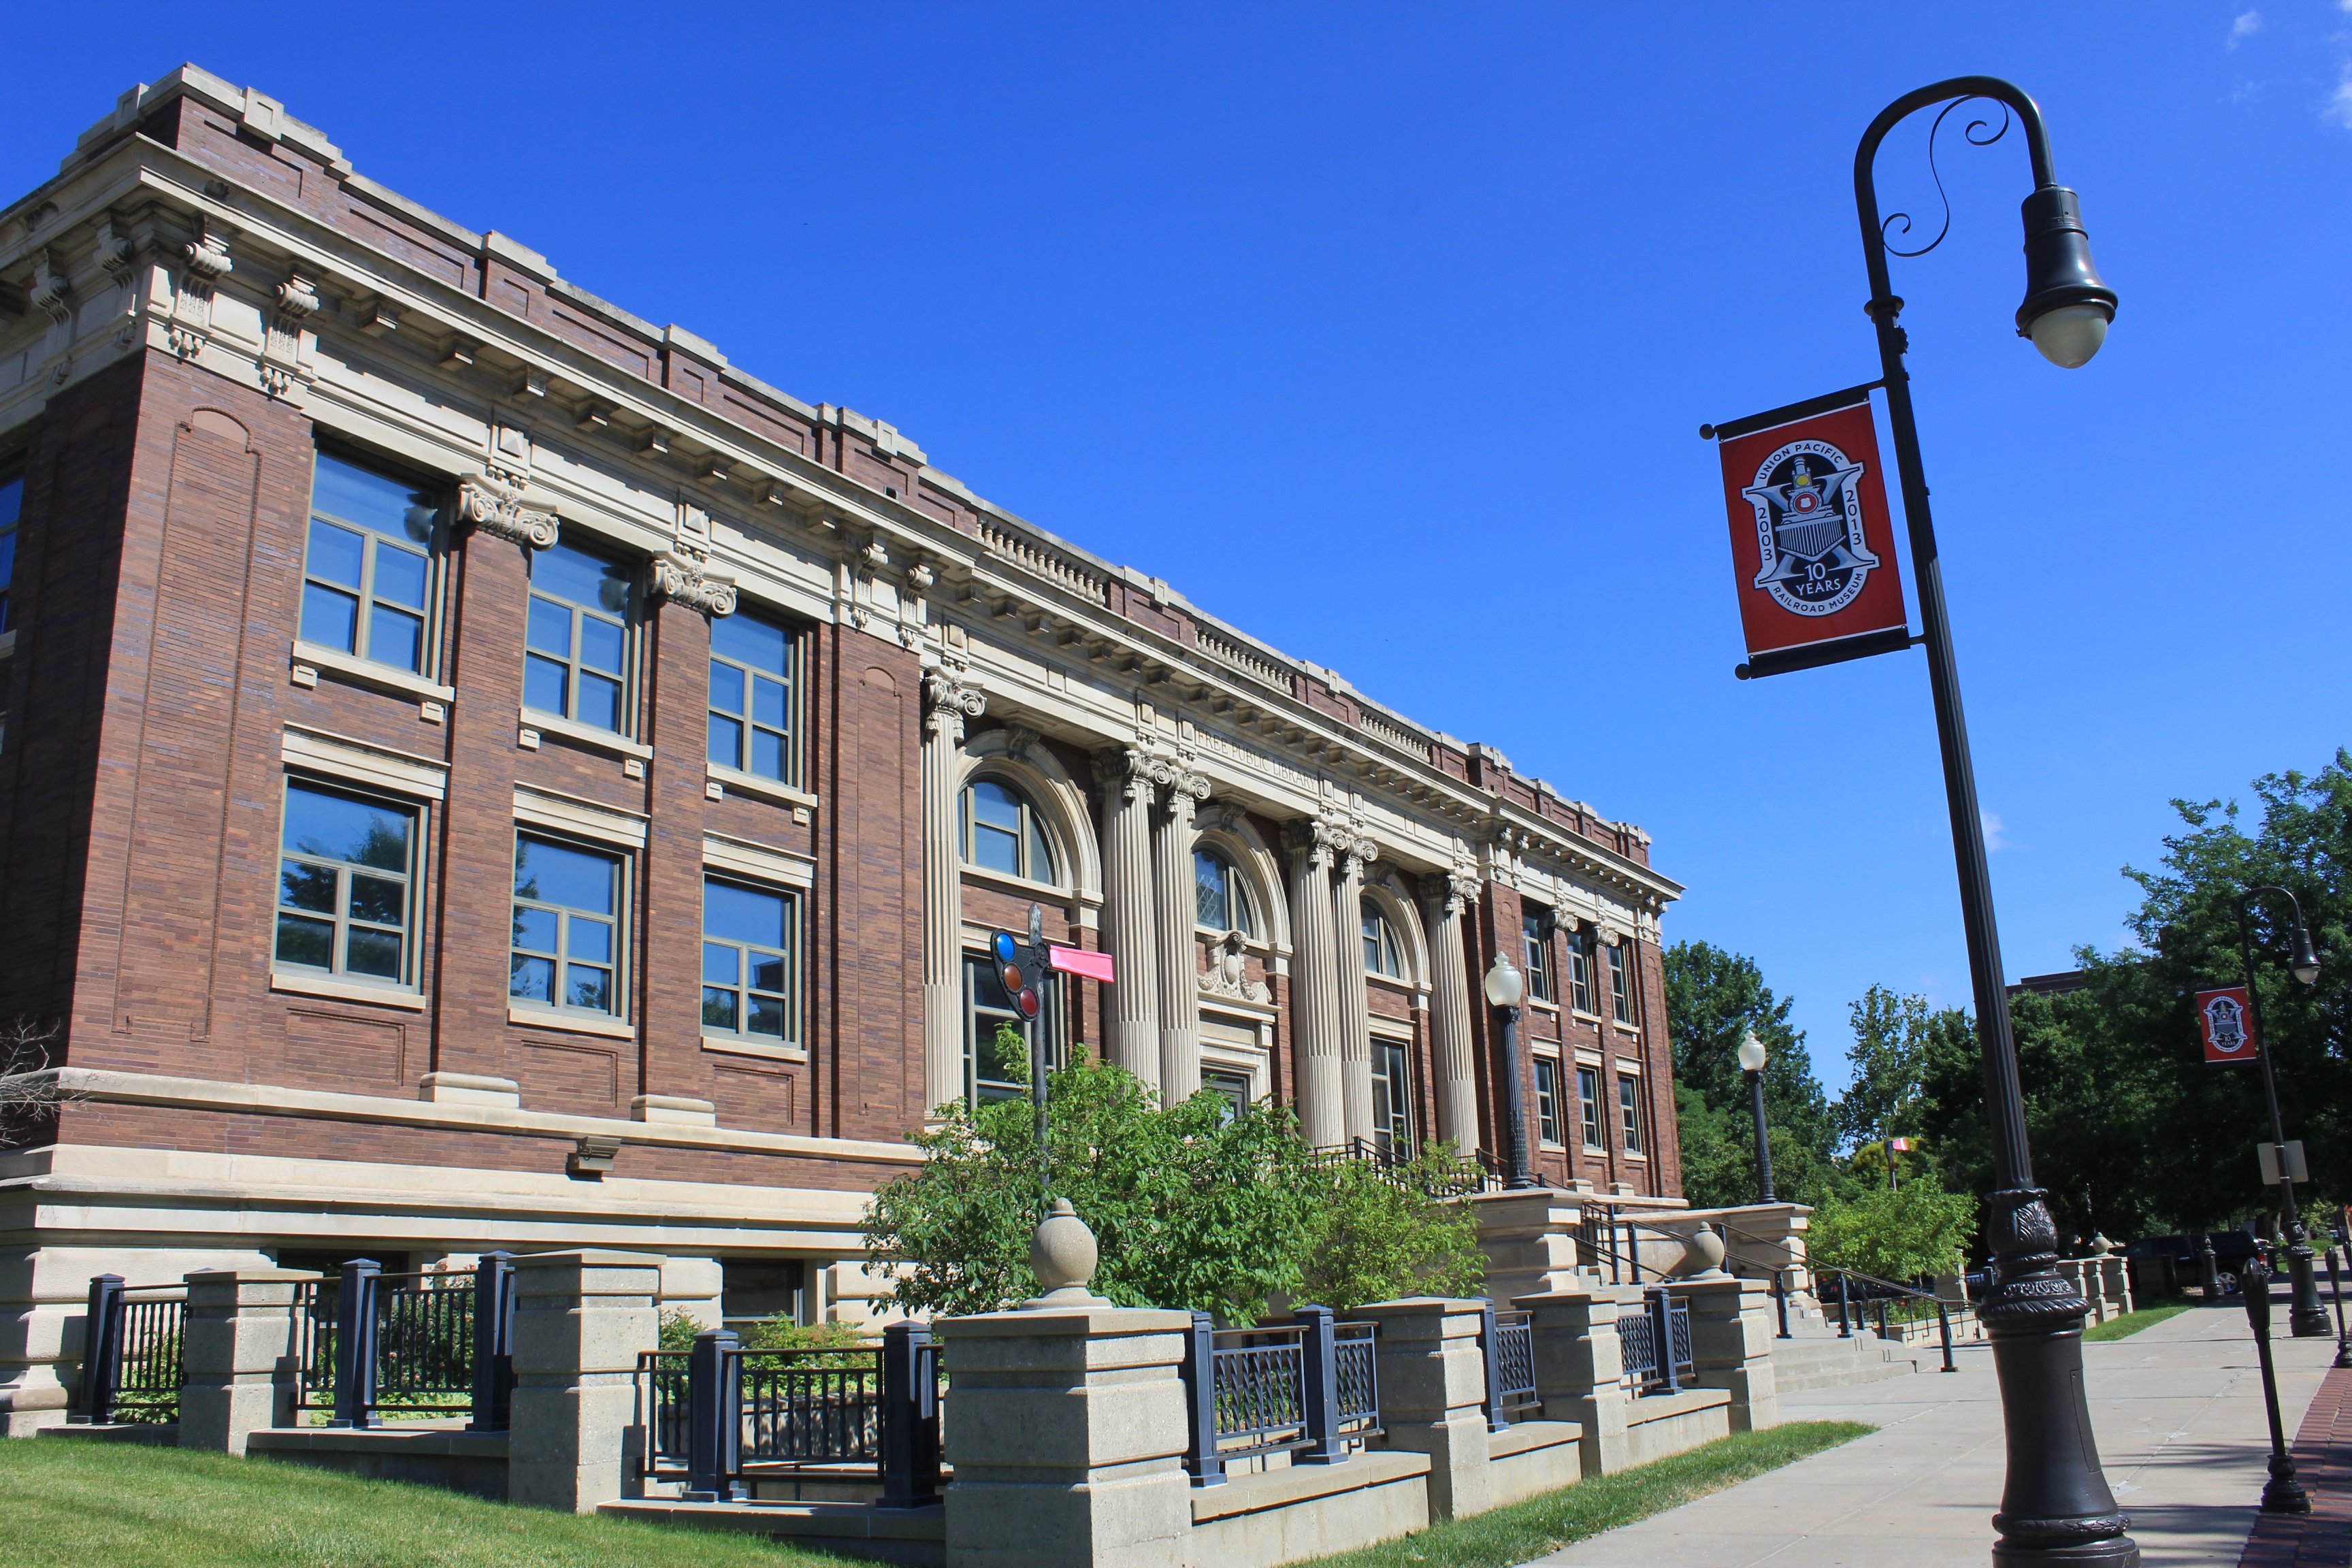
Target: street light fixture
x,y
2056,1505
2306,1319
1751,1062
1505,989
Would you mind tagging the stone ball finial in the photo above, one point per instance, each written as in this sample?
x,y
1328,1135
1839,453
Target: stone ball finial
x,y
1702,1254
1063,1255
2101,1245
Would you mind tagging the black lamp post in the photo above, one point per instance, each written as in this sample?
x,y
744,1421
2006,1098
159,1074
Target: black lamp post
x,y
1751,1062
2306,1319
1505,989
2281,1493
2055,1505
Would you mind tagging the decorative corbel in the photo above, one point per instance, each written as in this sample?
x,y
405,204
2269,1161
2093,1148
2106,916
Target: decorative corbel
x,y
485,506
689,578
50,287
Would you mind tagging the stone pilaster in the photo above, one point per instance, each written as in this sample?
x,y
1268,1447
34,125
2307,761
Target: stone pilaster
x,y
1449,1009
1130,925
1731,1345
1581,1366
1314,987
1432,1384
580,1320
951,696
1179,991
238,1355
1348,979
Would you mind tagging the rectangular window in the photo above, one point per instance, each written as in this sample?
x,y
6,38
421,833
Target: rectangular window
x,y
751,971
12,506
1629,1111
367,571
1232,1088
578,662
1579,970
1391,1098
1621,980
566,949
1588,1103
992,1071
345,884
1548,1126
753,686
1535,939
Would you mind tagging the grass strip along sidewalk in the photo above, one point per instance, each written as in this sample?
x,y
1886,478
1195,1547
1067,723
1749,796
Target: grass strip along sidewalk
x,y
2130,1323
72,1504
1526,1530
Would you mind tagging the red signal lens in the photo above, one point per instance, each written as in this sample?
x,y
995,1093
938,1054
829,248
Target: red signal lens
x,y
1012,978
1027,1002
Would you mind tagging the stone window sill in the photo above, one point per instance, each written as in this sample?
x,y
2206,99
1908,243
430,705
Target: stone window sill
x,y
727,1045
1043,892
735,781
370,674
1540,1005
586,735
346,990
571,1023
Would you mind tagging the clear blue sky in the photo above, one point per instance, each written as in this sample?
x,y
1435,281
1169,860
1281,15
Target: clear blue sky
x,y
1386,332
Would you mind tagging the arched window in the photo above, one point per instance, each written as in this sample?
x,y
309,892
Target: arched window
x,y
1220,898
1383,954
1002,831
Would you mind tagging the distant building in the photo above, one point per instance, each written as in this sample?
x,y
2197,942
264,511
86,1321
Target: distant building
x,y
480,770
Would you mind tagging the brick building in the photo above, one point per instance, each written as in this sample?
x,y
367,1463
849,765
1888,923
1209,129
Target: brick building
x,y
480,769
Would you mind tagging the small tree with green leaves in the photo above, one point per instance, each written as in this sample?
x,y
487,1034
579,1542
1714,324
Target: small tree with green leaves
x,y
1898,1234
1379,1234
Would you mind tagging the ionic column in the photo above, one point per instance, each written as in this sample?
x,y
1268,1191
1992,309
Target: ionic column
x,y
952,696
1179,967
1130,925
1355,1005
1449,1009
1314,986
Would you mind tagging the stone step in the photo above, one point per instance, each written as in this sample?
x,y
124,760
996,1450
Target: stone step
x,y
1814,1362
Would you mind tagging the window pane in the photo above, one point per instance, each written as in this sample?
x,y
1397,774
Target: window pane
x,y
1208,892
1372,942
752,642
1041,852
588,988
12,499
725,745
600,645
742,914
376,900
767,972
338,827
550,628
767,702
996,805
396,637
375,952
400,576
336,553
305,887
383,503
329,618
308,942
726,688
997,849
589,939
558,874
767,1017
721,964
7,557
767,754
544,682
571,573
600,702
532,979
718,1009
535,930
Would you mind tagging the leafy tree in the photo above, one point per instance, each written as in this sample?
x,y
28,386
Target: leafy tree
x,y
1892,1037
1713,998
1898,1234
1192,1205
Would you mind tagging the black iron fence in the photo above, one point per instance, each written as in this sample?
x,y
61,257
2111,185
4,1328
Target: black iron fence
x,y
1478,1172
1655,1343
1309,1388
1509,1339
134,1358
720,1417
372,1346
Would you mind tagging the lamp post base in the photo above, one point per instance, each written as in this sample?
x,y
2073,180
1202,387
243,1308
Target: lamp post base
x,y
2282,1493
2306,1315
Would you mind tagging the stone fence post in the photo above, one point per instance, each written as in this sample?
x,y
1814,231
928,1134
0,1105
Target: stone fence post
x,y
1432,1382
580,1320
1731,1344
238,1356
1581,1367
1067,1431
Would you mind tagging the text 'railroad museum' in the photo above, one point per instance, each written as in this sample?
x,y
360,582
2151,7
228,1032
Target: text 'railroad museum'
x,y
481,770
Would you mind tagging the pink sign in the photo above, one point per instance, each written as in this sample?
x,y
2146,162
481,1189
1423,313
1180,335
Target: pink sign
x,y
1078,961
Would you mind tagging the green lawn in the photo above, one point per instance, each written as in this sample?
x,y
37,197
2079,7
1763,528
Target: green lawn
x,y
2131,1323
1529,1530
73,1504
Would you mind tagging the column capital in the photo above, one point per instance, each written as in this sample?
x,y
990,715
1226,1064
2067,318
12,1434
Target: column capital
x,y
1132,768
687,576
952,693
485,506
1312,838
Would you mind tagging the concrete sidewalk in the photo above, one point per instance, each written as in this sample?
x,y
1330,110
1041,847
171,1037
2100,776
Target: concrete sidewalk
x,y
2178,1413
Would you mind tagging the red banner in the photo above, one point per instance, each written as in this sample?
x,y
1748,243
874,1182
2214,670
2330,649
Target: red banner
x,y
1812,547
2226,1022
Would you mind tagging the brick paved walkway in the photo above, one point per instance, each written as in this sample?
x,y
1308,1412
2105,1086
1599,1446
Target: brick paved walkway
x,y
2323,1463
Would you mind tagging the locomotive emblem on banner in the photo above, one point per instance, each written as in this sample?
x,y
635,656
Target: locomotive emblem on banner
x,y
1809,528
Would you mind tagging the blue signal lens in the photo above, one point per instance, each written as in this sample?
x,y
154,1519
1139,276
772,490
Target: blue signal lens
x,y
1004,947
